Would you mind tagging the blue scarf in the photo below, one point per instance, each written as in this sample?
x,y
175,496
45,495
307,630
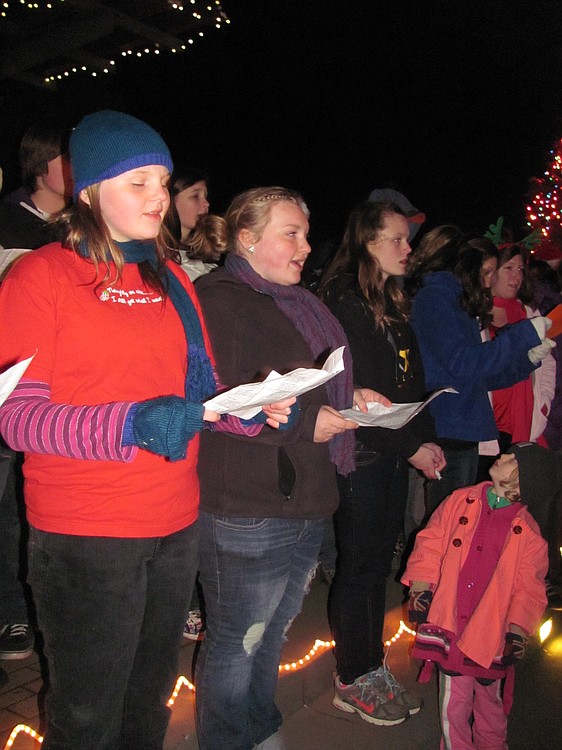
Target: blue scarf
x,y
200,381
323,333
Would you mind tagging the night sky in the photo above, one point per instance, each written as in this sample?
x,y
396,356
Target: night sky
x,y
454,102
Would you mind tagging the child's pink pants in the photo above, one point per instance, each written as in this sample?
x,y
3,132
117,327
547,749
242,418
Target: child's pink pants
x,y
459,699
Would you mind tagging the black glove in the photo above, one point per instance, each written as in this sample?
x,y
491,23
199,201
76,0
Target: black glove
x,y
418,606
514,648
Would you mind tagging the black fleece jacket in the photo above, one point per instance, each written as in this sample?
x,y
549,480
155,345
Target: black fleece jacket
x,y
249,476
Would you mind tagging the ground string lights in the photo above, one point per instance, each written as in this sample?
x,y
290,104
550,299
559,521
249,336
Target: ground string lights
x,y
182,681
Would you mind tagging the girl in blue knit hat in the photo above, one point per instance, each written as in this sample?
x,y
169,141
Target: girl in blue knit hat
x,y
109,415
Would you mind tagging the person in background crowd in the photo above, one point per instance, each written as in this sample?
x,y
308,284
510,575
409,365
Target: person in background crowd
x,y
46,187
199,240
521,411
24,214
451,306
547,286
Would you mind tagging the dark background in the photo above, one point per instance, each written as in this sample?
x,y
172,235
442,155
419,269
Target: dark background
x,y
456,103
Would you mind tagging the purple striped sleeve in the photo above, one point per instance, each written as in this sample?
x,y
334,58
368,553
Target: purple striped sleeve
x,y
31,422
228,423
233,425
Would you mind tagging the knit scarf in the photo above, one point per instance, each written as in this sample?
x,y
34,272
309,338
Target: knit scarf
x,y
199,381
323,334
513,406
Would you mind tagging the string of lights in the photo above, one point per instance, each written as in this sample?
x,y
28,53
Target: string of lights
x,y
7,6
319,645
129,31
182,681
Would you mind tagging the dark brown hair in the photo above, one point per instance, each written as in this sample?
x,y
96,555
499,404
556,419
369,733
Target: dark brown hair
x,y
353,257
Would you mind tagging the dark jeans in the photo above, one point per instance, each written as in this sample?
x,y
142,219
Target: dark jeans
x,y
461,471
368,521
13,606
255,573
111,611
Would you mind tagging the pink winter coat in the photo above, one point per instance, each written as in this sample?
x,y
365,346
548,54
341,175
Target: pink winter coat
x,y
516,591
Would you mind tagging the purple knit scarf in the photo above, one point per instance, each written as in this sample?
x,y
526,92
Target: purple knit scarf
x,y
323,334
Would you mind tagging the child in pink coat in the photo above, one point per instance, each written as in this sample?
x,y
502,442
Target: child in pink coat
x,y
476,578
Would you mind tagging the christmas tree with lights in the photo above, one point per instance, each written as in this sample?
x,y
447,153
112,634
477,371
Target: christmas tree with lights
x,y
545,199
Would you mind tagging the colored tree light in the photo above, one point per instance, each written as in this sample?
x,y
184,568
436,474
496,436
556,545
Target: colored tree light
x,y
545,197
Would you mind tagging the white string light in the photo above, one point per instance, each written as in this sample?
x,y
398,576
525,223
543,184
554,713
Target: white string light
x,y
7,6
182,681
204,11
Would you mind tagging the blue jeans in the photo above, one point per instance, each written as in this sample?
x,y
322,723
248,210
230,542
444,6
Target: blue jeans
x,y
461,471
254,573
111,611
368,521
13,606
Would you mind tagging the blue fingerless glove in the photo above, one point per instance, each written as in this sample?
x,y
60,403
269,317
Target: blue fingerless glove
x,y
163,425
293,416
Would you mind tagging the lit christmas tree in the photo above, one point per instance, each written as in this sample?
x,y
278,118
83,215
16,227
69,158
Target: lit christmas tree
x,y
545,204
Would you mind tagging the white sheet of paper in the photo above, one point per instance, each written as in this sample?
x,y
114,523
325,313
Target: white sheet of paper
x,y
391,417
8,256
246,400
11,377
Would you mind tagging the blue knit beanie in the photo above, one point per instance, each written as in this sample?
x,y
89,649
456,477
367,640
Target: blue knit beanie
x,y
106,144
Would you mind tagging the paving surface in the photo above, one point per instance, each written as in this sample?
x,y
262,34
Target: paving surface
x,y
305,695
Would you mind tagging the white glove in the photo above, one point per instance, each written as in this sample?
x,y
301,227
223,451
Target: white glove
x,y
538,353
541,326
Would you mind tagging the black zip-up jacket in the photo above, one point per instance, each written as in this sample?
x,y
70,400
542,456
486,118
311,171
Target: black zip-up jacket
x,y
386,359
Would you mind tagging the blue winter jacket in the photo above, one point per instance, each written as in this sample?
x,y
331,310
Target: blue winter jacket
x,y
454,355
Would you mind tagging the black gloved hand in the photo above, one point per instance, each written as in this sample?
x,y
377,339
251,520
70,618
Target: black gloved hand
x,y
514,648
418,606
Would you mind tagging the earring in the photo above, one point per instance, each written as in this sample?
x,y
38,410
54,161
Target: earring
x,y
251,249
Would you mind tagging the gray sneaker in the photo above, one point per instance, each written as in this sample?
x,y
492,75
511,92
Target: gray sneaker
x,y
398,692
367,697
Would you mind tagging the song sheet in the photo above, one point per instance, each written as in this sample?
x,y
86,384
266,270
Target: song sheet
x,y
246,400
11,377
391,417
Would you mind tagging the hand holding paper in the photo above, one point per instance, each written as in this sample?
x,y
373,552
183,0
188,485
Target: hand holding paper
x,y
392,417
246,400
